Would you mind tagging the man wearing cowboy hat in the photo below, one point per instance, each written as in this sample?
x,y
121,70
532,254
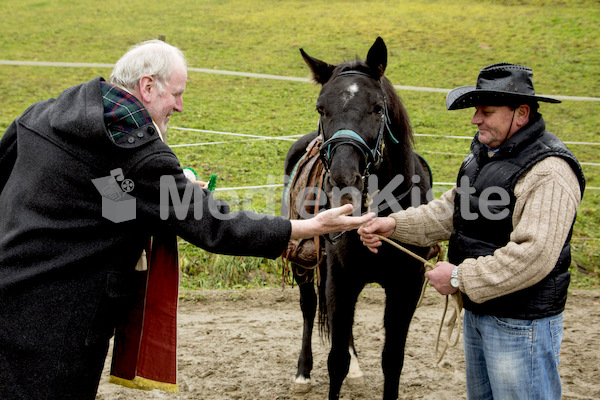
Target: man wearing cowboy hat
x,y
509,222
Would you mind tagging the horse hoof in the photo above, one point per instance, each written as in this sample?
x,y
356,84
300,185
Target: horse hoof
x,y
301,385
355,380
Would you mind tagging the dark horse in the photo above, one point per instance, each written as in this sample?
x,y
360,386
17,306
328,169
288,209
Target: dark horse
x,y
366,145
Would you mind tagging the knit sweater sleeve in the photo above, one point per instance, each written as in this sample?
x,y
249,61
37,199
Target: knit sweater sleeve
x,y
547,197
427,224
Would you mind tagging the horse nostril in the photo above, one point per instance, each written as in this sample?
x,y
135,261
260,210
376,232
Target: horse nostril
x,y
341,181
329,183
358,182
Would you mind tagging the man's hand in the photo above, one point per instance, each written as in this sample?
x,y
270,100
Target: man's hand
x,y
202,184
383,226
439,277
330,221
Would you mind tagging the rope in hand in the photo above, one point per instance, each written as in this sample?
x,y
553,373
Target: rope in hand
x,y
456,298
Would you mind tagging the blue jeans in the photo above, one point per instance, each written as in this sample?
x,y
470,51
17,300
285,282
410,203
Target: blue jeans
x,y
509,358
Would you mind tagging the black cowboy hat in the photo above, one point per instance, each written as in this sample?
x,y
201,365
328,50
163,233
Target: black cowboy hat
x,y
497,84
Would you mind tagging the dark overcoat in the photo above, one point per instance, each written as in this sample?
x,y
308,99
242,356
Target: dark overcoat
x,y
65,270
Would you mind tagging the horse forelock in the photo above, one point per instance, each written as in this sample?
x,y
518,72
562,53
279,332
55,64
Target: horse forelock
x,y
353,65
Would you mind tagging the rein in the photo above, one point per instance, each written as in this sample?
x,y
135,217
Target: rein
x,y
456,301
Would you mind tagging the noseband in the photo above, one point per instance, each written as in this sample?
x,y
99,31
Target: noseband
x,y
372,157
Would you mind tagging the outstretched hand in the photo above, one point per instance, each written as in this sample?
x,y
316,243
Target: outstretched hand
x,y
330,221
383,226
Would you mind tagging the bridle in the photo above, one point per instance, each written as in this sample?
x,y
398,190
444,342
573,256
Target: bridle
x,y
372,157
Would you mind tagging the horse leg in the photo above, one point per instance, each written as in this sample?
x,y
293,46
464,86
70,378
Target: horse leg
x,y
308,305
340,310
355,375
399,309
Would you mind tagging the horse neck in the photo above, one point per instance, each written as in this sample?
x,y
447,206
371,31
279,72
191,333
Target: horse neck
x,y
397,160
398,155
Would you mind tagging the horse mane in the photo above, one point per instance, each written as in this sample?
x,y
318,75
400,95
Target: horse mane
x,y
399,120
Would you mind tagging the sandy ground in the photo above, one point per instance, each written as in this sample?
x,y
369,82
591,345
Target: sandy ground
x,y
244,345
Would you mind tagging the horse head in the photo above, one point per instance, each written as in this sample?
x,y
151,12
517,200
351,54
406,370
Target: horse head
x,y
360,116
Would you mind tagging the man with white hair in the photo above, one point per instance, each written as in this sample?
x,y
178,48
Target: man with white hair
x,y
67,272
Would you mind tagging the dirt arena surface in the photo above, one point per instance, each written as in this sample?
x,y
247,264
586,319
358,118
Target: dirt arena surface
x,y
244,345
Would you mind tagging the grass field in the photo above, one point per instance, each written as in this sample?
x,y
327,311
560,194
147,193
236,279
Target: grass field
x,y
436,44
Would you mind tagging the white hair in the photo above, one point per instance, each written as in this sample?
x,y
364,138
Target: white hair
x,y
153,57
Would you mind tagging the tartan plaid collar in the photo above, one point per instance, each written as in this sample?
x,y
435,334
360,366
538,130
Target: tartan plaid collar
x,y
123,112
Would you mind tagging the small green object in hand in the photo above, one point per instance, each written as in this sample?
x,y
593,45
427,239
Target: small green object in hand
x,y
212,182
190,173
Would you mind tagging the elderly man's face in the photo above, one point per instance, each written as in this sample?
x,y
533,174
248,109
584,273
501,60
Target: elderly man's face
x,y
162,105
494,123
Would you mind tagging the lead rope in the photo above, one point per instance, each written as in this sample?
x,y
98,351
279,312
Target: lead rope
x,y
456,298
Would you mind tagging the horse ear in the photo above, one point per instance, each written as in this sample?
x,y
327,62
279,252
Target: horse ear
x,y
377,57
321,70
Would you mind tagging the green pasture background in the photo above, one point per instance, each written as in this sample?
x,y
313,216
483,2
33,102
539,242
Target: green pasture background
x,y
437,44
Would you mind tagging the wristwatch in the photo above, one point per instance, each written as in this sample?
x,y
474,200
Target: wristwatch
x,y
454,278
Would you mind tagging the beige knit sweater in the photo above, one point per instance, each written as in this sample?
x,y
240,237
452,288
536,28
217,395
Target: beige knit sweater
x,y
547,197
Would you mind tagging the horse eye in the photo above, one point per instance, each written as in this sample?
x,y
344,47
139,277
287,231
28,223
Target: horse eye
x,y
319,110
377,109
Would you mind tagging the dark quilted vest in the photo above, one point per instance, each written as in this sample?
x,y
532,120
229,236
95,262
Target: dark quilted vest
x,y
486,226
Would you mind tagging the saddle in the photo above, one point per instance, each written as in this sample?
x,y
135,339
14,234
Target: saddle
x,y
301,197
